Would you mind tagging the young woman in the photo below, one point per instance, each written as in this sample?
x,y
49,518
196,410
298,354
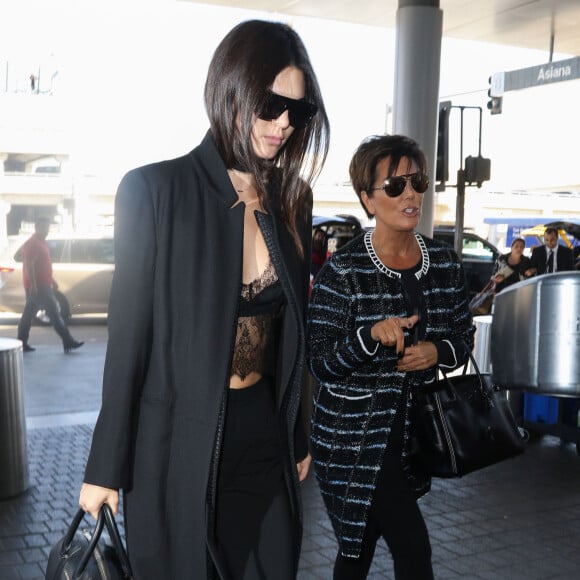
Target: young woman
x,y
510,268
199,424
385,311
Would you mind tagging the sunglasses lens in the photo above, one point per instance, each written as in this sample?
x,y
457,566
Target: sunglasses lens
x,y
300,112
394,186
420,182
273,107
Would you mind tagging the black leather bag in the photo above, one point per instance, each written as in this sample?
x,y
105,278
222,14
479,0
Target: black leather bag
x,y
84,555
461,424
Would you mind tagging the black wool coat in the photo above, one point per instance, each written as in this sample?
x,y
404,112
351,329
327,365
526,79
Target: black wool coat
x,y
172,321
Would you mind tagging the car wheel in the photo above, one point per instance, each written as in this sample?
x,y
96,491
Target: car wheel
x,y
63,307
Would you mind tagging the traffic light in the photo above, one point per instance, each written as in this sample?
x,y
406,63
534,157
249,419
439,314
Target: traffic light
x,y
477,170
494,105
442,165
495,102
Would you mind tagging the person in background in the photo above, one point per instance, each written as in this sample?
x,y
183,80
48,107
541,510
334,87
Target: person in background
x,y
200,425
39,286
386,310
510,268
319,251
551,257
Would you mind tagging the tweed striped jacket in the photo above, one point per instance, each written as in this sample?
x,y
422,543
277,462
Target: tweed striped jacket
x,y
358,388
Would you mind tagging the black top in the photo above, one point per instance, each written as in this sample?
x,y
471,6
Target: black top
x,y
259,307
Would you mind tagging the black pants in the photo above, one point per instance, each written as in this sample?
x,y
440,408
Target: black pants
x,y
254,531
45,299
394,515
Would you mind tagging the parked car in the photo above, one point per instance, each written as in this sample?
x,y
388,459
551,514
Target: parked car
x,y
339,229
478,256
82,267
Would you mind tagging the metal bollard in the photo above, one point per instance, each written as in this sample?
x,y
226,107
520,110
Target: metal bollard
x,y
14,474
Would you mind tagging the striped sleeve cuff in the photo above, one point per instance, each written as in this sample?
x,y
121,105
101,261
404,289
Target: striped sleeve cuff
x,y
368,344
446,355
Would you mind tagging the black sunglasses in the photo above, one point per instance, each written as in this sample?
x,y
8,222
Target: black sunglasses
x,y
300,112
395,185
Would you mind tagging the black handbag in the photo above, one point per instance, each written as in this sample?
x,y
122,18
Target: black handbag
x,y
85,555
462,423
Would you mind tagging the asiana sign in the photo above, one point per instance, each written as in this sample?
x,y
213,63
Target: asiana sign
x,y
535,76
552,73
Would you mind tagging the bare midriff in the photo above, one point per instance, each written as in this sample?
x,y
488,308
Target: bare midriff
x,y
236,382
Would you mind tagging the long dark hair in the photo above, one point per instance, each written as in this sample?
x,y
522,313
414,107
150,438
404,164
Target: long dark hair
x,y
244,66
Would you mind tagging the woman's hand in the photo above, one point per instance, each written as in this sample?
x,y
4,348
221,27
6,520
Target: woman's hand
x,y
389,332
303,467
419,357
93,497
530,272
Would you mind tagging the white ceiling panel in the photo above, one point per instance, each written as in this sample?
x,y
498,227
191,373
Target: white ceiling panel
x,y
522,23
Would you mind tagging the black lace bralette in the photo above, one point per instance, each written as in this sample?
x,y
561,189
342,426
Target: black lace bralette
x,y
259,306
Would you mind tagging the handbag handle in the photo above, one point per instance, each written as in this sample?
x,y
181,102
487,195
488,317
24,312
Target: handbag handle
x,y
483,387
105,518
117,542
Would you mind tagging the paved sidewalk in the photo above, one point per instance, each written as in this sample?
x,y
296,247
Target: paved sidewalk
x,y
519,520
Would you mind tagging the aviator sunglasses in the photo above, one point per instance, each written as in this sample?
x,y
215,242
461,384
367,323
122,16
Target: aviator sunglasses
x,y
300,112
395,185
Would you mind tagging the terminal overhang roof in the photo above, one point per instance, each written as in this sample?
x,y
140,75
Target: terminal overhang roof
x,y
522,23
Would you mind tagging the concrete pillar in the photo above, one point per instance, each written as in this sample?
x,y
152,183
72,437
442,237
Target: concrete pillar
x,y
416,87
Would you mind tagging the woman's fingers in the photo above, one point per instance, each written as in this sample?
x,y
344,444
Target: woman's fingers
x,y
389,332
92,498
303,467
410,321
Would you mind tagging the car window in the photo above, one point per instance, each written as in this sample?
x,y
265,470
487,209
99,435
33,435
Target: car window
x,y
339,235
59,251
477,250
98,251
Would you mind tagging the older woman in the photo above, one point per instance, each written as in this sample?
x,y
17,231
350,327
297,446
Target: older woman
x,y
385,311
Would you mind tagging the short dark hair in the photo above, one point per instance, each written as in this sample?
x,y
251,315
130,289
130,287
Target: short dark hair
x,y
552,230
42,220
518,240
373,149
243,68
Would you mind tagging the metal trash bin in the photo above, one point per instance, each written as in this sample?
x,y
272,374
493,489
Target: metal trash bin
x,y
535,335
14,474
